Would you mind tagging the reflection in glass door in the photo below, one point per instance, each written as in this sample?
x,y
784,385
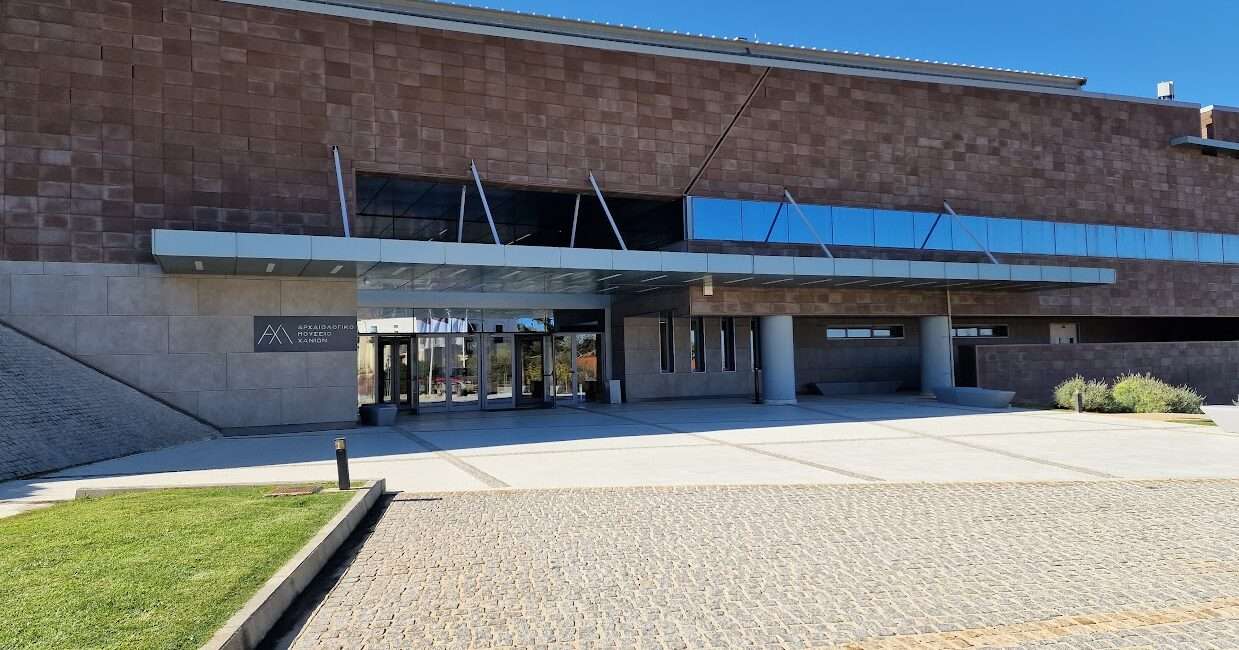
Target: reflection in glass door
x,y
499,371
463,379
562,358
530,383
395,378
585,367
431,361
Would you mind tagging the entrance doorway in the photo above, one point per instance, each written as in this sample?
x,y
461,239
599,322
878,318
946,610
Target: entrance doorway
x,y
1063,333
395,380
575,359
531,375
447,372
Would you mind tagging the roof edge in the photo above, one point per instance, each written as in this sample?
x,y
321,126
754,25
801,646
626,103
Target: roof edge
x,y
475,19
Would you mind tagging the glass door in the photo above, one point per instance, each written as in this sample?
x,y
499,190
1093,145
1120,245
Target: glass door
x,y
462,380
530,375
563,367
395,379
585,367
499,363
431,372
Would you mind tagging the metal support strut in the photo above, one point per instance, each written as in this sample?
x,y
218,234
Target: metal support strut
x,y
460,225
490,220
958,222
607,211
335,154
796,206
576,212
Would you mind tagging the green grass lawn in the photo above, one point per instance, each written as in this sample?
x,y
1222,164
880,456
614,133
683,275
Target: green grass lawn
x,y
146,569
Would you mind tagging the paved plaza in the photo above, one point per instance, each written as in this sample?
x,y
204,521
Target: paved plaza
x,y
881,439
1103,564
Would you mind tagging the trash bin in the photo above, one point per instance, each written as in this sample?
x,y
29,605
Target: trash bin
x,y
614,394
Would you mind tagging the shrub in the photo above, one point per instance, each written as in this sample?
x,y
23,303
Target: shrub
x,y
1136,393
1096,394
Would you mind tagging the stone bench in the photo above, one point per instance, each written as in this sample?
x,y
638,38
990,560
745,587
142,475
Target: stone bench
x,y
969,396
834,388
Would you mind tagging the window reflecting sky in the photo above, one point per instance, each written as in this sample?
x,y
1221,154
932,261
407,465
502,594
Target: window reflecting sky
x,y
767,221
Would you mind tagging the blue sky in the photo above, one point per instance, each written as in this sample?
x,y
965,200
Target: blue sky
x,y
1122,47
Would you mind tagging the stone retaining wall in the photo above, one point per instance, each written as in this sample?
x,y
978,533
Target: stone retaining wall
x,y
57,412
1032,371
188,340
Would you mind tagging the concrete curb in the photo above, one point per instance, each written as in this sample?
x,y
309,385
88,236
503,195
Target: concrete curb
x,y
249,626
96,492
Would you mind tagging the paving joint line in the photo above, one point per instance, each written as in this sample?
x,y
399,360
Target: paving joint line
x,y
751,449
1050,463
487,479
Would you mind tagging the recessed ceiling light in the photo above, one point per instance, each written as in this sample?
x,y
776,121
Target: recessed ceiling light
x,y
270,266
739,280
657,277
609,277
198,265
336,269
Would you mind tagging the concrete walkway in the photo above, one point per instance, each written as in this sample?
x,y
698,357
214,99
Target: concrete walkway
x,y
697,442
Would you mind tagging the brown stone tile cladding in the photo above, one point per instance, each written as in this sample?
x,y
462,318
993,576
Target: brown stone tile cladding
x,y
119,117
1032,371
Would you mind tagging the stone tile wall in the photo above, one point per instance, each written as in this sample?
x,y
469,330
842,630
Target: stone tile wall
x,y
119,116
821,360
644,380
1033,370
189,340
56,412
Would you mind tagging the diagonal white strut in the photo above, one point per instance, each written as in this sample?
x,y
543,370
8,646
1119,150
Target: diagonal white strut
x,y
796,207
485,205
607,211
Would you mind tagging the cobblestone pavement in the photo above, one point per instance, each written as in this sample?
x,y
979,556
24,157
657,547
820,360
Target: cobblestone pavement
x,y
1103,564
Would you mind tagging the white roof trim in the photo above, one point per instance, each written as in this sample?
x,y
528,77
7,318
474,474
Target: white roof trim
x,y
491,22
190,252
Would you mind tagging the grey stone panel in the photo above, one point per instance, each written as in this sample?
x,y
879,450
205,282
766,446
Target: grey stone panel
x,y
147,296
122,335
211,334
6,284
56,412
238,296
186,401
60,332
267,369
58,294
318,298
10,267
125,367
305,405
94,269
331,369
240,408
183,372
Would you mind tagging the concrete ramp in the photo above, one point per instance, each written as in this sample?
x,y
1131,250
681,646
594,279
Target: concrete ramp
x,y
56,412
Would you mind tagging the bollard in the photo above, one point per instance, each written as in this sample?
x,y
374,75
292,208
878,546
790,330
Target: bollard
x,y
1079,402
342,464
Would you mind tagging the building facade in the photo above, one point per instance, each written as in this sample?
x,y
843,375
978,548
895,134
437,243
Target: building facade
x,y
274,212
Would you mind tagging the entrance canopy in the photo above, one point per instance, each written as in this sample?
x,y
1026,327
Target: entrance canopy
x,y
447,266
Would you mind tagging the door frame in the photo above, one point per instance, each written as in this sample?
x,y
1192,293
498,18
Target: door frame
x,y
404,380
518,377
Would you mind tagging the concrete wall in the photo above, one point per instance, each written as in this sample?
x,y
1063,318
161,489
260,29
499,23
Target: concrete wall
x,y
56,412
1032,371
189,340
643,379
820,360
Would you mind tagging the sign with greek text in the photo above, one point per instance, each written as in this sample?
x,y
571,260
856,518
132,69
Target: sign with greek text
x,y
305,333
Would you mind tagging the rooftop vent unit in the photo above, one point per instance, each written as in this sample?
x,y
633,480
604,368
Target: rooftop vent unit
x,y
1165,90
